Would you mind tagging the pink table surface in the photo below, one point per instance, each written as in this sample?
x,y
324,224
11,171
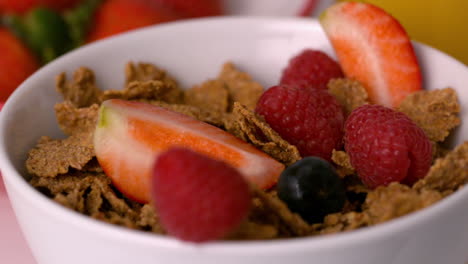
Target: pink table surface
x,y
13,247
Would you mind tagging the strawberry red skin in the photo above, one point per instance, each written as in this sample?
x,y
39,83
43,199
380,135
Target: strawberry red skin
x,y
22,6
193,8
373,48
310,119
118,16
198,198
16,63
386,146
311,69
308,7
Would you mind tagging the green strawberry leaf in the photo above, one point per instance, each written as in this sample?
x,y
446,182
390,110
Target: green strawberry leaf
x,y
47,33
50,34
15,25
43,30
79,19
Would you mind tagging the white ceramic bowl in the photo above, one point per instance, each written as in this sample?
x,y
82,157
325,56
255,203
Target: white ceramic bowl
x,y
194,51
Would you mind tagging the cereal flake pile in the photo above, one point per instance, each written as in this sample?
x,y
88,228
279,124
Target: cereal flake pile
x,y
67,171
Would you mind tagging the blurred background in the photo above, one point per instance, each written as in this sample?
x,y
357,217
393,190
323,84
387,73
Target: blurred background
x,y
34,32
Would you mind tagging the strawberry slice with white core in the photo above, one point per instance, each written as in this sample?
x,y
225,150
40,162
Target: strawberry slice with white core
x,y
373,48
130,135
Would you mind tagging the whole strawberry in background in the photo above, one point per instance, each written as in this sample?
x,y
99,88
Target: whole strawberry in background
x,y
193,8
16,63
117,16
50,28
22,6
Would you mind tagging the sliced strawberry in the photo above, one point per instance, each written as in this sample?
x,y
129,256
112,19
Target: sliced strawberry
x,y
130,135
373,48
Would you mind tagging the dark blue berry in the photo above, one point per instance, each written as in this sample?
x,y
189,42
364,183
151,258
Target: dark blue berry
x,y
312,188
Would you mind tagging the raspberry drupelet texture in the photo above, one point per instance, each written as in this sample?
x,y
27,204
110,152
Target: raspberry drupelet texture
x,y
198,198
311,69
310,119
386,146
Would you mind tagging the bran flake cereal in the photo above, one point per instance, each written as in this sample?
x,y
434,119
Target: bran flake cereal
x,y
448,173
149,220
394,200
213,118
67,171
242,88
73,120
436,112
289,223
212,96
148,72
82,90
249,230
51,157
93,166
341,159
349,93
248,126
340,222
143,72
149,90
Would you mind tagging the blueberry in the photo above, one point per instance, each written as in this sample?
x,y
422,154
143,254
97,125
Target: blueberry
x,y
312,188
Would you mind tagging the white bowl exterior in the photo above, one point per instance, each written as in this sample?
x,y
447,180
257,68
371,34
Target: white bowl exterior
x,y
193,52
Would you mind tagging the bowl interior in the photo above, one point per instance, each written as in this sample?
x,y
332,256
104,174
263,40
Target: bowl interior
x,y
192,52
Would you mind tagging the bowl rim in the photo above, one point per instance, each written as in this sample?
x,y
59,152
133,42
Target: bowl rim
x,y
14,180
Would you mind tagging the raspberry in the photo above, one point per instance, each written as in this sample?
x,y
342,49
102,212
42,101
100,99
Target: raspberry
x,y
310,119
198,198
385,146
311,68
